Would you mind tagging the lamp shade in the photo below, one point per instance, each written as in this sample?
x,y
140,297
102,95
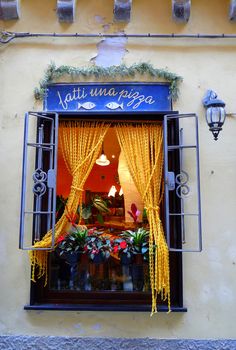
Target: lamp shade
x,y
121,192
102,160
112,191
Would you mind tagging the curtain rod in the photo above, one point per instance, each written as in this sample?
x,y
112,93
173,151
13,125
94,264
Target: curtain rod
x,y
6,37
112,122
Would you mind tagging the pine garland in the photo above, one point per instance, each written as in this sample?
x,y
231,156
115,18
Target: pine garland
x,y
53,73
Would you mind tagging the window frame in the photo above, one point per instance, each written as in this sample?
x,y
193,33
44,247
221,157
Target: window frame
x,y
42,298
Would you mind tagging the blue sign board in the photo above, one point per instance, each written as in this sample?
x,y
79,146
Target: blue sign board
x,y
107,97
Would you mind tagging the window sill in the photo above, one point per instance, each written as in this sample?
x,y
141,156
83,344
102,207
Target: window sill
x,y
92,307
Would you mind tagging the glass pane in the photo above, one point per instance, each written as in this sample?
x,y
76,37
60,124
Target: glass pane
x,y
80,274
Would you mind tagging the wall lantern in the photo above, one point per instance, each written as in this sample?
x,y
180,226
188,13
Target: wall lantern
x,y
215,112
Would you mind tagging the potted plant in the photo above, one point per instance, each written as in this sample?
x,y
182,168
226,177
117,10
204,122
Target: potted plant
x,y
98,247
123,248
97,204
132,245
71,245
137,243
137,246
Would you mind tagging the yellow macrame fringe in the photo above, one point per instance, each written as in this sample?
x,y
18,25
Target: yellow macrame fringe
x,y
80,143
143,149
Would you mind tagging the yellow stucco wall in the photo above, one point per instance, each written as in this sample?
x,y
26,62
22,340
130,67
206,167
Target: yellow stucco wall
x,y
209,277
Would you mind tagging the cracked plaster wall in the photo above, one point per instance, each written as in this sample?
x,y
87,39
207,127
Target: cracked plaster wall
x,y
209,277
111,51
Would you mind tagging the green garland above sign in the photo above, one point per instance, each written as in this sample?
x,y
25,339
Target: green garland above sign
x,y
53,73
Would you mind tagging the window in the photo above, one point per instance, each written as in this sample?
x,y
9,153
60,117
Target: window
x,y
106,285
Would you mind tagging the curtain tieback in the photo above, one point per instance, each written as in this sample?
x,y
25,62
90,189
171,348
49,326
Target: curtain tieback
x,y
77,188
150,207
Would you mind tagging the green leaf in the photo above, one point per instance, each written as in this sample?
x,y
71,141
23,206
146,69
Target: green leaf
x,y
53,73
100,218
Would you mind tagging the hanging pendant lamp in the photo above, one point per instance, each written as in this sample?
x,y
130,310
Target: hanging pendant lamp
x,y
121,192
112,192
102,160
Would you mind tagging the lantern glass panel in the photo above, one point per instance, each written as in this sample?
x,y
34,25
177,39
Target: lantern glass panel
x,y
222,114
215,116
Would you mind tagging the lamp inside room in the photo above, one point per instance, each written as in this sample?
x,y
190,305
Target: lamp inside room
x,y
102,160
121,192
112,191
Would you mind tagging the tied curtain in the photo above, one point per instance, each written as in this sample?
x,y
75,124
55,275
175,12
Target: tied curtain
x,y
142,146
80,143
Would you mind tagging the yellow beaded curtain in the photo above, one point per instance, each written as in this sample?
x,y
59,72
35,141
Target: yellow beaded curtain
x,y
80,143
143,149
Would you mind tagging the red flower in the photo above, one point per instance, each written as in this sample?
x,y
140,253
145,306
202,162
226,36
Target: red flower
x,y
134,213
60,239
91,231
115,248
71,217
123,245
85,248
